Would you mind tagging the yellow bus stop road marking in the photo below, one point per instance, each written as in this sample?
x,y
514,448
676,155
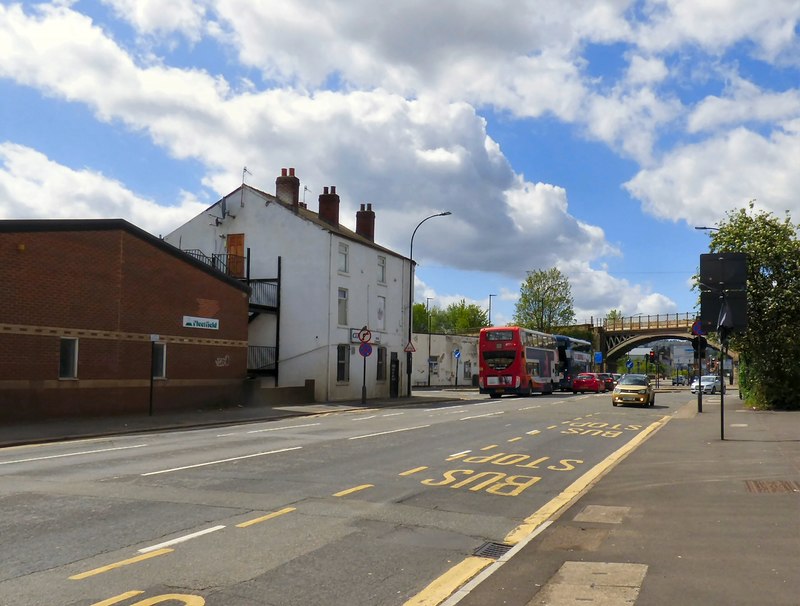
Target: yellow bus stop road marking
x,y
269,516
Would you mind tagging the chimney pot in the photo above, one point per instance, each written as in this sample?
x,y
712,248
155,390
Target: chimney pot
x,y
287,189
329,206
283,172
291,172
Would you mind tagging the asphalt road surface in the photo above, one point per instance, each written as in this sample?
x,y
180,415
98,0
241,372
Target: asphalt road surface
x,y
370,507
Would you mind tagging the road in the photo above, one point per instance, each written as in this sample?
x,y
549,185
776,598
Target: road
x,y
376,507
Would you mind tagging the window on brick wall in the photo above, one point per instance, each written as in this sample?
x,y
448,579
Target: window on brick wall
x,y
68,359
159,360
343,363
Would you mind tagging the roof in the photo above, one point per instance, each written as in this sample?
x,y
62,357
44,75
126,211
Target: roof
x,y
312,217
11,226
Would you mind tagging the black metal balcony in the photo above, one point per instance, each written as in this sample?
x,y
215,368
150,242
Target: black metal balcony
x,y
262,360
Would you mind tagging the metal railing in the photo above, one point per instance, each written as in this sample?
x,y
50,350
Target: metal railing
x,y
261,357
232,265
650,322
264,292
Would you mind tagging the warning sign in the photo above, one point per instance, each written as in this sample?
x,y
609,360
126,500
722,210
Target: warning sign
x,y
409,348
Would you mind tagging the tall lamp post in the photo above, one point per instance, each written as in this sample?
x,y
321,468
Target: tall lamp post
x,y
490,309
411,294
428,313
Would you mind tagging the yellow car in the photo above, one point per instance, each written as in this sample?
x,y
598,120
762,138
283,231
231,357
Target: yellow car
x,y
634,389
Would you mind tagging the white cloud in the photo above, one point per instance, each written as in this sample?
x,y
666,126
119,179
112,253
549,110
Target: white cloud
x,y
699,183
646,70
34,187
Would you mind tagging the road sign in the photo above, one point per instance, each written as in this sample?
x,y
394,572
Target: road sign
x,y
598,357
364,335
457,354
365,349
697,328
409,348
629,364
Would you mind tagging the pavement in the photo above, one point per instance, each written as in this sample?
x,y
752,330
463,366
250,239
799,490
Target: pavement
x,y
687,518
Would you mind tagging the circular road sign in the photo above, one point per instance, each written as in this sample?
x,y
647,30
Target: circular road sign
x,y
364,335
365,349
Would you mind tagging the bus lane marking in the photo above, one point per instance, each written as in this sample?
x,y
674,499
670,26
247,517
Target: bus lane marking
x,y
348,491
413,471
383,433
182,539
250,456
185,599
532,433
118,598
120,564
71,454
515,439
490,447
457,455
598,428
269,516
572,492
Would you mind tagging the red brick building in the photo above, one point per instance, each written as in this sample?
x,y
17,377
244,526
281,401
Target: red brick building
x,y
99,317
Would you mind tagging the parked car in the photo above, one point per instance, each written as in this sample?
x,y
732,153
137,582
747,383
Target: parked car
x,y
608,380
616,376
634,389
679,380
710,384
588,381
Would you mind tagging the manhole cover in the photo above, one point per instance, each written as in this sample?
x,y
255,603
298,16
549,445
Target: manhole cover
x,y
492,550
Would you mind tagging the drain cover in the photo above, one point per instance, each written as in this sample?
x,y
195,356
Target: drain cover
x,y
772,486
492,550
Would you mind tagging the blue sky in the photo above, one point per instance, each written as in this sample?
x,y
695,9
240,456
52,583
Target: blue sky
x,y
591,137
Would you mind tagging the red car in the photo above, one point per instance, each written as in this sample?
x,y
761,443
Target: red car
x,y
588,381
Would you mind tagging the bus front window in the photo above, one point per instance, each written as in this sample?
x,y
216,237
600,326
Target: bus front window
x,y
498,360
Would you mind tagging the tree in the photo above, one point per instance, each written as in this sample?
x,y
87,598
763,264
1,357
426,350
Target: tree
x,y
769,350
545,301
614,317
460,318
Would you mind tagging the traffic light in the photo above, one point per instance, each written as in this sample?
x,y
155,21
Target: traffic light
x,y
652,356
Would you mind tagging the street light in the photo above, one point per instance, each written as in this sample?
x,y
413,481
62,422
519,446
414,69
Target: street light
x,y
490,309
411,293
703,227
428,313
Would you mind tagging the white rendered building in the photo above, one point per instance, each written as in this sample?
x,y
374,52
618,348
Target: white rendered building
x,y
315,284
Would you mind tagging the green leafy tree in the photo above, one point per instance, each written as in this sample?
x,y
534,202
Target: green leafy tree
x,y
419,315
614,317
769,349
545,301
462,318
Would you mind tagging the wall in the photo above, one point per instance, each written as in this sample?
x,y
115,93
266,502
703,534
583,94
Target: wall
x,y
111,290
442,348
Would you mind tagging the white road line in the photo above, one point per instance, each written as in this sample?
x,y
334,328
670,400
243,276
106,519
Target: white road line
x,y
364,418
490,414
485,403
442,408
71,454
180,539
283,428
383,433
531,407
393,414
250,456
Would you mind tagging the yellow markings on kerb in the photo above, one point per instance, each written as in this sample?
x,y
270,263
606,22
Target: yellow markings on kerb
x,y
118,598
134,560
269,516
413,471
440,589
344,493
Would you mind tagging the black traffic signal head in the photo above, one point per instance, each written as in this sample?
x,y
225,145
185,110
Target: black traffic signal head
x,y
699,345
652,356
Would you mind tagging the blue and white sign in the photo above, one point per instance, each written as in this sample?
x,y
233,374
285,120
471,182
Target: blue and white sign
x,y
629,364
457,354
598,357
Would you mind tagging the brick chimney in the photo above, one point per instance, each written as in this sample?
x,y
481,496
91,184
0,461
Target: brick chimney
x,y
287,188
365,223
329,206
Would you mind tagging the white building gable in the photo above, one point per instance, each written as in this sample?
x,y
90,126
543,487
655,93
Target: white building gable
x,y
332,281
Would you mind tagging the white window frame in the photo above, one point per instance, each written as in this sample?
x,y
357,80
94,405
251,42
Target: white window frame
x,y
341,307
344,258
381,269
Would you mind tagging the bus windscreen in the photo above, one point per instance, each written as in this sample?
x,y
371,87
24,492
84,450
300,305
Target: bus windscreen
x,y
499,360
499,335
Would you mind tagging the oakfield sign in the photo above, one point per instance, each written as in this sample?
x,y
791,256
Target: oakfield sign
x,y
207,323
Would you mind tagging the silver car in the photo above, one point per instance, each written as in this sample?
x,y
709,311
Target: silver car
x,y
711,384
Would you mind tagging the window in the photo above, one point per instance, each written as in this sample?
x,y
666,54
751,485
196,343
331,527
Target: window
x,y
68,359
343,363
381,368
343,307
343,261
381,324
159,360
381,270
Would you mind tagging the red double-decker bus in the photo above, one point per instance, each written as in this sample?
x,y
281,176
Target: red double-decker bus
x,y
516,360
